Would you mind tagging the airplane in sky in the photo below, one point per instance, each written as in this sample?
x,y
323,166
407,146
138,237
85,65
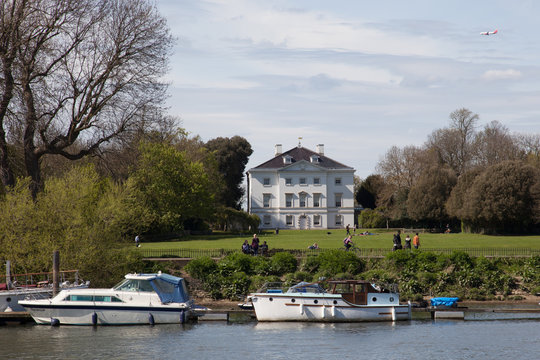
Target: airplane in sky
x,y
489,32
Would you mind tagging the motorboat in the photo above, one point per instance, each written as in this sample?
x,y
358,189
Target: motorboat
x,y
16,287
139,299
346,301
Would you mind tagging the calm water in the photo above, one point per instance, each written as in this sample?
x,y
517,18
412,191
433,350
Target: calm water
x,y
493,339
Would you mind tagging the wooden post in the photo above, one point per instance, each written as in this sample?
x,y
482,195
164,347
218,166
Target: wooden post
x,y
56,271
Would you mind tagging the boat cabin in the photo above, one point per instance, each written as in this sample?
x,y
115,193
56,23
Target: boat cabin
x,y
353,291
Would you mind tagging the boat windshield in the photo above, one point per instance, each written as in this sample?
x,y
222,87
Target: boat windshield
x,y
304,287
134,285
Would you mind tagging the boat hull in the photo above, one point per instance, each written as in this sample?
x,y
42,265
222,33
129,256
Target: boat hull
x,y
324,308
113,315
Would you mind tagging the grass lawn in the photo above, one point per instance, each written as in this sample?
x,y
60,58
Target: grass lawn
x,y
301,239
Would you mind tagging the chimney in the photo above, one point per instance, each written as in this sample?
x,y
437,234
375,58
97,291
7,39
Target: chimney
x,y
320,149
278,151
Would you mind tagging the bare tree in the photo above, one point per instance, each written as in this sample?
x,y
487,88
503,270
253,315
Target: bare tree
x,y
454,146
530,145
86,71
495,144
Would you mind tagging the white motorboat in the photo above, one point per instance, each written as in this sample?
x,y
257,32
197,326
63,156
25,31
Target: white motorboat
x,y
138,299
347,301
16,287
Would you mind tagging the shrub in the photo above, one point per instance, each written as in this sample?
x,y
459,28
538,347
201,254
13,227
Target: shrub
x,y
371,219
236,262
236,286
261,265
201,268
282,263
339,261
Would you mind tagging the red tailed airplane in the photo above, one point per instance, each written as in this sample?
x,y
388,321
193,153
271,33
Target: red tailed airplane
x,y
489,32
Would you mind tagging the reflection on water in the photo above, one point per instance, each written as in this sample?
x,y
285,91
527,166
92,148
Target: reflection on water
x,y
215,340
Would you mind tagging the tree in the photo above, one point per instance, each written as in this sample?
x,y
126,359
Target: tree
x,y
83,73
530,145
232,155
456,203
454,145
504,197
494,144
168,189
427,198
75,214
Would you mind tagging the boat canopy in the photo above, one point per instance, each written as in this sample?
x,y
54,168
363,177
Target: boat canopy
x,y
170,289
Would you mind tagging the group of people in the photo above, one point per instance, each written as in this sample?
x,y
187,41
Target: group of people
x,y
255,248
398,245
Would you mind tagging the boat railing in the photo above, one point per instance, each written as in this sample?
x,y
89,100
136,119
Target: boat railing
x,y
272,287
39,279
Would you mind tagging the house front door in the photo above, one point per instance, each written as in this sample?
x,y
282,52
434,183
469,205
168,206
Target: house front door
x,y
302,222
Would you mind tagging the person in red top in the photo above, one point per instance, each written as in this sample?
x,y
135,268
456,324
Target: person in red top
x,y
416,241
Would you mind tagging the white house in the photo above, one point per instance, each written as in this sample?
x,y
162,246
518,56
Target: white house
x,y
301,189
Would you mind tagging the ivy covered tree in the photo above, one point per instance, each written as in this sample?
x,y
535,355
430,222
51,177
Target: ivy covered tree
x,y
232,155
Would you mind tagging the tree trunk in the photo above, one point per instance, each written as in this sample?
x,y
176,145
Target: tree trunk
x,y
31,157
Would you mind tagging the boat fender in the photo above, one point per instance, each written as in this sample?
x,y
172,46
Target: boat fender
x,y
94,319
55,322
151,319
333,312
182,317
302,309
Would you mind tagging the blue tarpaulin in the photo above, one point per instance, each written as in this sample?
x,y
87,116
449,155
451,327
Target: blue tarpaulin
x,y
444,301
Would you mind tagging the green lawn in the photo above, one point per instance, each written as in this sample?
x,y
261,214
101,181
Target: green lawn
x,y
301,239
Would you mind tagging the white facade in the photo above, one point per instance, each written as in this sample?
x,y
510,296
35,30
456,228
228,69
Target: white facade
x,y
302,189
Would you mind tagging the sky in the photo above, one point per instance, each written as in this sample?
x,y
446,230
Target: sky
x,y
357,76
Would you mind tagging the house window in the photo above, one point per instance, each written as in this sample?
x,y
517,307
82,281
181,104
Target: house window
x,y
289,220
288,181
302,181
317,220
267,220
338,181
287,159
338,219
316,200
266,181
315,159
302,199
338,200
316,181
266,200
288,200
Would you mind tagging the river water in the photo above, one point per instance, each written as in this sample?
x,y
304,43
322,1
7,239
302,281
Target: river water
x,y
417,339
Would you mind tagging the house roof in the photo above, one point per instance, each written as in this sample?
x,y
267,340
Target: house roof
x,y
298,154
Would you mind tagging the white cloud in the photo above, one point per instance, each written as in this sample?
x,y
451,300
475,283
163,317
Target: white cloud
x,y
509,74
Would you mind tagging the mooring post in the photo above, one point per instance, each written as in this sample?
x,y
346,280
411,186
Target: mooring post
x,y
8,275
56,271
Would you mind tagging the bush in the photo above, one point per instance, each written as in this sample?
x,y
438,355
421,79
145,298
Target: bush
x,y
236,262
201,268
283,263
236,286
339,261
371,219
